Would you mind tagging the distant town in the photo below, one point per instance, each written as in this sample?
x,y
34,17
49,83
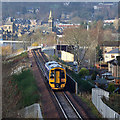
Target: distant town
x,y
83,39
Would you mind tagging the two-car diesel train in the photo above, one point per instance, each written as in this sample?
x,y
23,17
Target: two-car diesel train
x,y
56,75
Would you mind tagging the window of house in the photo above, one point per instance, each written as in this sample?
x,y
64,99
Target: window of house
x,y
106,56
112,56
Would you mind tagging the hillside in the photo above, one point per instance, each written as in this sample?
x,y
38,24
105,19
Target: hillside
x,y
85,11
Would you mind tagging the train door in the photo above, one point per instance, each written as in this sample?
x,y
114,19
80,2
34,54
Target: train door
x,y
57,78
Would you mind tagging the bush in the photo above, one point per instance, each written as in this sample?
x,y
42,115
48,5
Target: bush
x,y
111,87
83,72
20,50
84,85
27,86
93,77
56,58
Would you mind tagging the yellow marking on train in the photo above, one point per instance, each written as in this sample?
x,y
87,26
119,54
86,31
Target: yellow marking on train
x,y
57,77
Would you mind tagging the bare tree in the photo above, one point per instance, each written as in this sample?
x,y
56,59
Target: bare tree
x,y
82,40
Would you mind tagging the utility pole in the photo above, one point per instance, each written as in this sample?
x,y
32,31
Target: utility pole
x,y
95,57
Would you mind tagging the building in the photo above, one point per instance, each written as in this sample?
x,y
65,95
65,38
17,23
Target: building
x,y
51,21
114,67
108,46
111,55
68,25
67,57
48,26
33,22
109,21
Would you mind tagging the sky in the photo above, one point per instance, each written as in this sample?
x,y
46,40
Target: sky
x,y
60,0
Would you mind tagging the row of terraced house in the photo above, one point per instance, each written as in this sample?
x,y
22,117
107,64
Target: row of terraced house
x,y
14,28
111,55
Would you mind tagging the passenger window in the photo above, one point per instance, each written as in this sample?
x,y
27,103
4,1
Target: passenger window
x,y
52,74
62,74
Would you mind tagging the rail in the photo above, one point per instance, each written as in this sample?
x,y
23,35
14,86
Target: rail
x,y
66,106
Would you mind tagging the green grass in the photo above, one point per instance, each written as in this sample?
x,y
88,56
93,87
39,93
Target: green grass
x,y
113,102
91,106
27,87
22,55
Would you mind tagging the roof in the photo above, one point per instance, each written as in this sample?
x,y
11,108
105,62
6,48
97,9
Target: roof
x,y
110,43
9,23
52,64
101,81
111,61
116,50
107,73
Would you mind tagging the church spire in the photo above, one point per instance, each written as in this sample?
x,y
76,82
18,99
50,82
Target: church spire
x,y
50,15
51,21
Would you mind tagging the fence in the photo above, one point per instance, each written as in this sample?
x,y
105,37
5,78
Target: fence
x,y
105,111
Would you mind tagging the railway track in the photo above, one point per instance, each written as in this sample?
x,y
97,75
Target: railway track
x,y
66,106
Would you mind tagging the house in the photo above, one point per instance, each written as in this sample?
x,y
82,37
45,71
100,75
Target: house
x,y
67,57
33,22
114,67
107,46
111,55
9,26
100,82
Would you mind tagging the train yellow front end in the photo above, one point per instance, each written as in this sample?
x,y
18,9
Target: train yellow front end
x,y
57,78
56,75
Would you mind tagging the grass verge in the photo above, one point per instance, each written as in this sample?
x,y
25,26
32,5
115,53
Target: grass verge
x,y
113,102
89,103
26,85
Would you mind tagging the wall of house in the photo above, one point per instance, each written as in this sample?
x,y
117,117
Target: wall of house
x,y
66,56
108,57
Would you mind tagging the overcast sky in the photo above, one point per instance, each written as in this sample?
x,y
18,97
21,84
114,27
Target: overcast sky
x,y
60,0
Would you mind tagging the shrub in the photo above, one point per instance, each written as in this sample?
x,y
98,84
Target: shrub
x,y
93,77
83,72
35,44
27,86
111,87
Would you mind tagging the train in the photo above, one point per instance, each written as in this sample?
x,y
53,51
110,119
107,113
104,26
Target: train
x,y
56,75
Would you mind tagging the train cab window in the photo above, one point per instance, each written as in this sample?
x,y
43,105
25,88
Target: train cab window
x,y
52,74
62,74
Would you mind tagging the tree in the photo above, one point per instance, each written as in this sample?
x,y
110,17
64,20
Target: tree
x,y
115,24
108,35
99,53
82,40
6,50
24,10
94,74
111,87
99,31
83,72
35,44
